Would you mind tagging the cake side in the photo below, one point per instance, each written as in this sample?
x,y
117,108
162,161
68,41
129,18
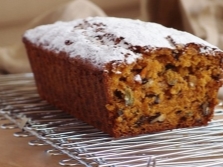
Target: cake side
x,y
71,85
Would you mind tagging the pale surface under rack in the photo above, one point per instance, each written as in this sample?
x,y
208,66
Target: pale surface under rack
x,y
85,146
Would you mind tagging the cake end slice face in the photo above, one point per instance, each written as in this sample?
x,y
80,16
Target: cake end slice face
x,y
164,89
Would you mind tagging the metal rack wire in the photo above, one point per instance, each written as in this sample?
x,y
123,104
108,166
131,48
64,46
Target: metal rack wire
x,y
86,146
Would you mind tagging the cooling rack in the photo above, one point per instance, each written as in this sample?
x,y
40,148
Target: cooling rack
x,y
86,146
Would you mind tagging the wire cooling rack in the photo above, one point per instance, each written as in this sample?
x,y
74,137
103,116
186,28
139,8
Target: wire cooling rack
x,y
86,146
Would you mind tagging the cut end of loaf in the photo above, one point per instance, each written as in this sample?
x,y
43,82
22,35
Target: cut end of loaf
x,y
164,89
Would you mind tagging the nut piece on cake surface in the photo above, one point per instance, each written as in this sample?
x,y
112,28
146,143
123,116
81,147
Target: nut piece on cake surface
x,y
126,77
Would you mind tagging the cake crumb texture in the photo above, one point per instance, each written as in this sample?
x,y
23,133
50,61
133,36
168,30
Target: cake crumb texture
x,y
172,92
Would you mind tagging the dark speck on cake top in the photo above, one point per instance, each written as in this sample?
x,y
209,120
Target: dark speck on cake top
x,y
114,39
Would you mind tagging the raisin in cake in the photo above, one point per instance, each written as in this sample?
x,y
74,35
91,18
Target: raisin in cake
x,y
126,77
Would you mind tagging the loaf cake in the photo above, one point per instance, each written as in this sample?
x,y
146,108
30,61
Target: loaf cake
x,y
125,77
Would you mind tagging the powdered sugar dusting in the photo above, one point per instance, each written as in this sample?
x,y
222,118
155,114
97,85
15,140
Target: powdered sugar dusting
x,y
105,39
138,78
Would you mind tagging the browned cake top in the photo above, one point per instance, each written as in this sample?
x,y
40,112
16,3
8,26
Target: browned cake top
x,y
104,39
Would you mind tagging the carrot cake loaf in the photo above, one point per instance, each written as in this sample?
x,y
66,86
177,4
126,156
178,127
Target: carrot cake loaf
x,y
126,77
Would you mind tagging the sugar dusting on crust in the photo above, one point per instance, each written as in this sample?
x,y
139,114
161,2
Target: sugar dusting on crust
x,y
105,39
